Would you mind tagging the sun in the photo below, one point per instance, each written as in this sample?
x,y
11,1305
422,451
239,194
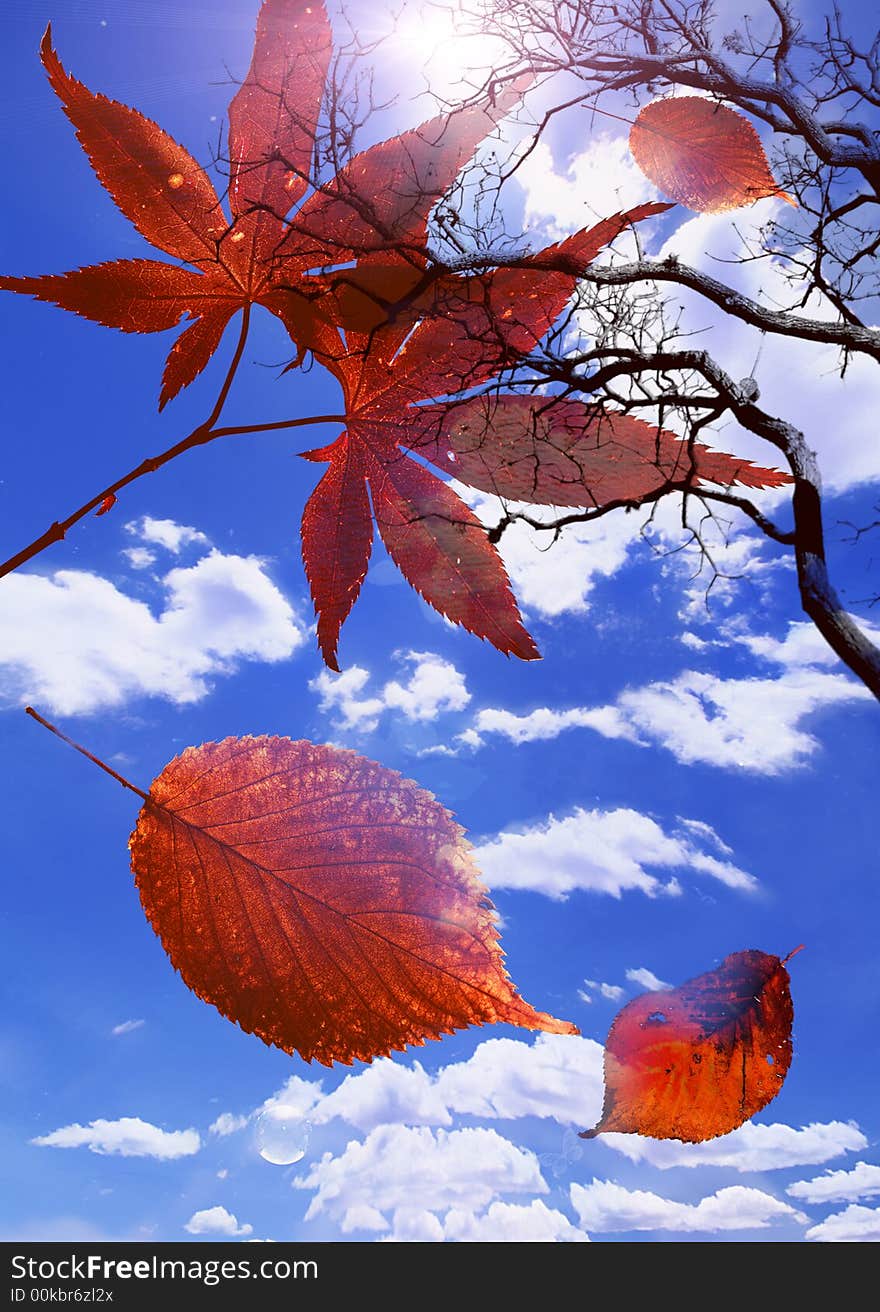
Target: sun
x,y
442,40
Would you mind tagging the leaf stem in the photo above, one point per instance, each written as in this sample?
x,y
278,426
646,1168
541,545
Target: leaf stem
x,y
198,437
29,710
232,370
278,424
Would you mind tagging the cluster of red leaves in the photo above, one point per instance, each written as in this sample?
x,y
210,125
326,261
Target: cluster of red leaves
x,y
311,895
349,277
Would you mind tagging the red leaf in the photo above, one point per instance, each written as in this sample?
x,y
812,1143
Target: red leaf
x,y
192,351
107,504
155,182
470,326
136,296
695,1062
172,202
441,548
481,323
320,901
705,155
274,114
382,199
337,535
558,452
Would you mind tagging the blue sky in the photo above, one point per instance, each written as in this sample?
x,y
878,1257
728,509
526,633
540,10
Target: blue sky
x,y
671,783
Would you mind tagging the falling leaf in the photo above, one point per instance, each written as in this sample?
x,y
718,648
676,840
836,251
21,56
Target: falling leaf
x,y
695,1062
320,900
256,255
705,155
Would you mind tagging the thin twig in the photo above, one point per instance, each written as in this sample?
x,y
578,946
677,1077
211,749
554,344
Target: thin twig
x,y
35,715
198,437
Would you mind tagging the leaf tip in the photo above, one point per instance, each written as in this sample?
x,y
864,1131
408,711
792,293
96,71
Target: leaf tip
x,y
526,648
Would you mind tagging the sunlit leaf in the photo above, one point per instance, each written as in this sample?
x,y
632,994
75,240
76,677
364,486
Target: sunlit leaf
x,y
320,900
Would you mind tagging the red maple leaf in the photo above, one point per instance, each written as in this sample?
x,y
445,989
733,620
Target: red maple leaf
x,y
415,334
254,256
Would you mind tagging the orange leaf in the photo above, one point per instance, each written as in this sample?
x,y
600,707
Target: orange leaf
x,y
695,1062
705,155
320,900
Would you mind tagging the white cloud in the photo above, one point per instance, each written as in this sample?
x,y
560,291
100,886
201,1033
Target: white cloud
x,y
166,533
545,723
434,687
139,557
216,1221
803,646
402,1167
341,694
599,851
749,724
753,724
558,1076
735,569
852,1226
750,1148
611,992
646,979
227,1123
707,833
863,1181
127,1137
553,578
297,1096
605,1207
127,1027
75,643
503,1223
557,200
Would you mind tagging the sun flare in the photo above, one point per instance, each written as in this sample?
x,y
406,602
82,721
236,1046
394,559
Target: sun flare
x,y
445,44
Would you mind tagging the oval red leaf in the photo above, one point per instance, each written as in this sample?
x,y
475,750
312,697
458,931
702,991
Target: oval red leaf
x,y
320,900
705,155
695,1062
